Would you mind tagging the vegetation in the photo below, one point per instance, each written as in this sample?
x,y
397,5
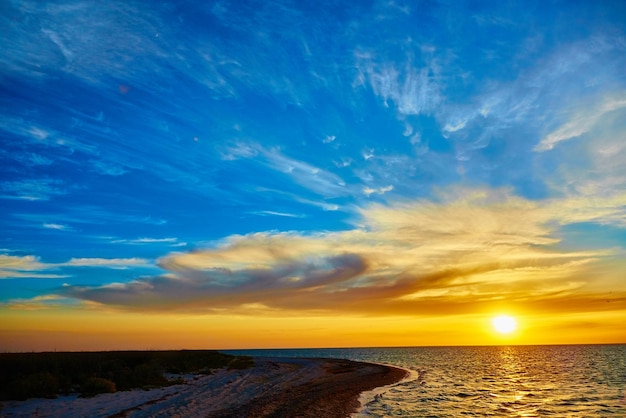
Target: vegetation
x,y
92,386
241,363
30,375
37,385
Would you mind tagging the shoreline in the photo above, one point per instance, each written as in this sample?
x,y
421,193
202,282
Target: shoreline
x,y
369,396
273,387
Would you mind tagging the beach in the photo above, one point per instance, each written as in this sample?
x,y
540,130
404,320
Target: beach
x,y
274,387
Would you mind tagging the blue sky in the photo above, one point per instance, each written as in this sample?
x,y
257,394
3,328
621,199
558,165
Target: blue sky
x,y
252,153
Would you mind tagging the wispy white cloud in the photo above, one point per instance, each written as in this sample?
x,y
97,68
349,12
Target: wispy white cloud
x,y
326,206
295,197
58,227
34,189
147,240
169,241
30,266
106,262
381,190
37,133
453,127
413,91
32,159
401,172
66,40
131,42
592,166
40,134
274,213
108,169
367,154
580,123
239,150
315,179
86,214
320,181
539,97
10,274
343,162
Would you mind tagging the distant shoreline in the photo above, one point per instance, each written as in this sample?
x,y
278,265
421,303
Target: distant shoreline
x,y
277,387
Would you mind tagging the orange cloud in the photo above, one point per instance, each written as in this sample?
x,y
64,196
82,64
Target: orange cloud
x,y
461,254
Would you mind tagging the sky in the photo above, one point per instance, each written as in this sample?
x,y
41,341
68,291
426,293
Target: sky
x,y
241,174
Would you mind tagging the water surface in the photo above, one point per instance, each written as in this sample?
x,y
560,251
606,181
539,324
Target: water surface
x,y
501,381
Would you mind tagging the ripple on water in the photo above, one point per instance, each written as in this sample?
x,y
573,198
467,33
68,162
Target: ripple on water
x,y
525,381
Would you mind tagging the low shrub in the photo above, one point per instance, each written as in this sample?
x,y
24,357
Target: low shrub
x,y
93,386
146,375
26,375
36,385
241,363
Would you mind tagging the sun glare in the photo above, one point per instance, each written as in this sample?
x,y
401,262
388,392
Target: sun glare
x,y
504,324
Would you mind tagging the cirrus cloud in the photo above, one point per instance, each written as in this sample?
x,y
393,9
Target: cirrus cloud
x,y
30,266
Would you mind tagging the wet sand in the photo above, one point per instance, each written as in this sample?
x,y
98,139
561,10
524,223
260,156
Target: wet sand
x,y
274,387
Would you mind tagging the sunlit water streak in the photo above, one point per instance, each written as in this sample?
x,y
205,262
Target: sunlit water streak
x,y
507,381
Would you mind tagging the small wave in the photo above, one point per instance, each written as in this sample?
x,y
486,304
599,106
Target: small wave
x,y
465,395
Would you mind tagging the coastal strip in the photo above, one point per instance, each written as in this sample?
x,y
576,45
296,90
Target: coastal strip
x,y
273,387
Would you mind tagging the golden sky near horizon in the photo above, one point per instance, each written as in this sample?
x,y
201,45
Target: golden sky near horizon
x,y
92,331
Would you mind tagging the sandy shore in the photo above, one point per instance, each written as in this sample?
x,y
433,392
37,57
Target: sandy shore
x,y
275,387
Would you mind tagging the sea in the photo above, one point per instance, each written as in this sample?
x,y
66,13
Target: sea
x,y
493,381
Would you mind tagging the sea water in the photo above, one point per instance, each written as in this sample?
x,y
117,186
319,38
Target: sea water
x,y
499,381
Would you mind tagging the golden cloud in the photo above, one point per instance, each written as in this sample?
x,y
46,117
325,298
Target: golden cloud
x,y
460,253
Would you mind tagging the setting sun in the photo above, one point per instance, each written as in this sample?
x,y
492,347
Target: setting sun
x,y
504,324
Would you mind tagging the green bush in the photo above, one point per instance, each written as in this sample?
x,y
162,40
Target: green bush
x,y
93,386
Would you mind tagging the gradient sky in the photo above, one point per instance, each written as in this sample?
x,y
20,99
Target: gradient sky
x,y
230,174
